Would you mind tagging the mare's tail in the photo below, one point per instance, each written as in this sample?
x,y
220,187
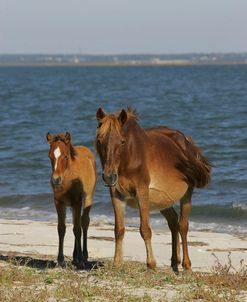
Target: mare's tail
x,y
195,167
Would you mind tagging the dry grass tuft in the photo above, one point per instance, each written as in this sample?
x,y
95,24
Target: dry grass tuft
x,y
224,283
227,275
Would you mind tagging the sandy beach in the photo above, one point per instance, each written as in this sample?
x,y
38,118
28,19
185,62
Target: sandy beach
x,y
26,237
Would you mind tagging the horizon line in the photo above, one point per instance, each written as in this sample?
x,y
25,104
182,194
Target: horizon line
x,y
124,54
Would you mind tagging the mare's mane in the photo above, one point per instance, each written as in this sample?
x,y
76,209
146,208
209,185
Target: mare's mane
x,y
62,138
111,122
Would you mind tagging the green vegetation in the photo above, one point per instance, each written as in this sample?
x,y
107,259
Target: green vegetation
x,y
132,282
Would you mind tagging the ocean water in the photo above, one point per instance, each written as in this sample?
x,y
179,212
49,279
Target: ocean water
x,y
208,103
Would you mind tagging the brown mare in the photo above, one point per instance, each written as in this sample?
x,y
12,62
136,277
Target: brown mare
x,y
73,182
149,169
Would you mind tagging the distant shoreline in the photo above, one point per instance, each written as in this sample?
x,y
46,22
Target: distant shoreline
x,y
121,60
120,64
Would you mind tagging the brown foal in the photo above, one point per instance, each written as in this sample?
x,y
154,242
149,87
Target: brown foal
x,y
149,169
73,181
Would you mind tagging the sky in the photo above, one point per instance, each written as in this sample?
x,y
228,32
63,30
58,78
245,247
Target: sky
x,y
122,26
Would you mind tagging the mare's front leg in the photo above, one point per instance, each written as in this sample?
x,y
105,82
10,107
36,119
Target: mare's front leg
x,y
145,230
185,207
61,227
119,210
77,254
172,219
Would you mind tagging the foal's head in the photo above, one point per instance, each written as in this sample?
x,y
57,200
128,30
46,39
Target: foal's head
x,y
60,153
109,143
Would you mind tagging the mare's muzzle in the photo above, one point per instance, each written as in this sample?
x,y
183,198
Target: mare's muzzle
x,y
56,181
110,179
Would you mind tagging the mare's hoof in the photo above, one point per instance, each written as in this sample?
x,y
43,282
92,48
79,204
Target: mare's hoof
x,y
151,265
187,271
117,264
175,268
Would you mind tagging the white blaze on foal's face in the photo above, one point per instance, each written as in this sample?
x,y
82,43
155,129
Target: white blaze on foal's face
x,y
57,154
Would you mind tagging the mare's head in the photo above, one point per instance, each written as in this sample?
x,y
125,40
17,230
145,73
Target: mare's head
x,y
59,154
110,142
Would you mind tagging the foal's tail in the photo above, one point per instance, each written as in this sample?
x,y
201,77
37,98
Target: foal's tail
x,y
194,165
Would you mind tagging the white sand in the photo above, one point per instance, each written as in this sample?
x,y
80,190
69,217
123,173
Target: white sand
x,y
40,238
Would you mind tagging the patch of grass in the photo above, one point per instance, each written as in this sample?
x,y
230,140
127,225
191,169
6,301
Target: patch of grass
x,y
223,284
226,276
132,282
209,295
21,283
135,274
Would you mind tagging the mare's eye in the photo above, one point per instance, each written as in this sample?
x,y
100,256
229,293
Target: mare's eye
x,y
66,157
122,142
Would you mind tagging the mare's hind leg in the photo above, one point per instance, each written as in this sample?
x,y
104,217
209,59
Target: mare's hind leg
x,y
61,228
172,219
85,220
185,207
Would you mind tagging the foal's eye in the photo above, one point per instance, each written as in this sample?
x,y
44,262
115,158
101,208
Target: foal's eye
x,y
66,157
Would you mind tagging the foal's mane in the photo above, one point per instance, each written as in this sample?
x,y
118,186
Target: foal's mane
x,y
111,121
62,138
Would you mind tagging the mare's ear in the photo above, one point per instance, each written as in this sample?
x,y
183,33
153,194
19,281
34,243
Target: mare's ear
x,y
100,114
122,117
67,138
49,137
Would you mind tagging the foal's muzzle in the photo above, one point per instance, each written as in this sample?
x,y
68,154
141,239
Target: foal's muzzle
x,y
56,181
110,179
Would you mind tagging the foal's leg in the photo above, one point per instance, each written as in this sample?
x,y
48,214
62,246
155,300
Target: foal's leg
x,y
77,254
172,219
61,227
185,207
85,220
145,230
119,210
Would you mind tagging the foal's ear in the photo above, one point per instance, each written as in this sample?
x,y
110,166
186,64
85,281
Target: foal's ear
x,y
67,138
100,114
49,137
122,117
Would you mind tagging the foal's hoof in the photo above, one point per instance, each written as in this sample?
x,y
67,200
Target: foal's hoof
x,y
61,264
85,256
79,264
